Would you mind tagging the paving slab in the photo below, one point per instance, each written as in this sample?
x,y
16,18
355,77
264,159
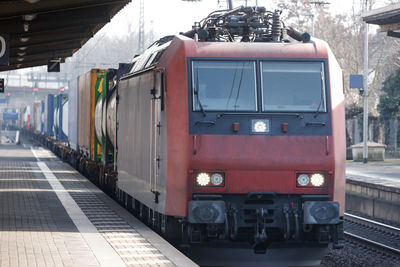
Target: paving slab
x,y
383,173
50,215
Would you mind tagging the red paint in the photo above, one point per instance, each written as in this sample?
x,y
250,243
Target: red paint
x,y
194,144
327,145
250,163
338,142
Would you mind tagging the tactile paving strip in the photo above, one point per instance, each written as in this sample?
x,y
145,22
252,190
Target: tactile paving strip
x,y
127,242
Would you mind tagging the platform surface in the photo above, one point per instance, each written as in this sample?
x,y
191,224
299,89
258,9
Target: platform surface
x,y
384,173
50,215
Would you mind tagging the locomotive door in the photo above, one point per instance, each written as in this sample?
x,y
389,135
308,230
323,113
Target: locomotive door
x,y
156,103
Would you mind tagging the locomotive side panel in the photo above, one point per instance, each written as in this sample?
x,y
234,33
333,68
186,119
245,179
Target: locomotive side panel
x,y
338,130
136,160
178,148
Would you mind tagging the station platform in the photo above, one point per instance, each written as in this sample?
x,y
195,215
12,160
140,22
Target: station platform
x,y
50,215
386,173
373,189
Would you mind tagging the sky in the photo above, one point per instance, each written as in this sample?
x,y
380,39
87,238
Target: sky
x,y
173,16
167,17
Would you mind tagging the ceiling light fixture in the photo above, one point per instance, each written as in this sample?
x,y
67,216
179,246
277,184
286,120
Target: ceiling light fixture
x,y
24,39
21,54
20,59
29,17
26,26
32,1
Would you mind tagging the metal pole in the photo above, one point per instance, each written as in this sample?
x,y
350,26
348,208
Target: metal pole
x,y
312,25
365,122
230,6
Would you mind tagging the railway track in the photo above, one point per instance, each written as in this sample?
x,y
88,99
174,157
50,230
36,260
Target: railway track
x,y
378,236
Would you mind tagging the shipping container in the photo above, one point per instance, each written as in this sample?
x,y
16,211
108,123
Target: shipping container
x,y
42,117
73,113
27,117
86,108
105,87
49,115
36,116
61,117
20,122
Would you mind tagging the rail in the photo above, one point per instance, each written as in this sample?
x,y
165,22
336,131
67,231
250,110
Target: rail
x,y
374,228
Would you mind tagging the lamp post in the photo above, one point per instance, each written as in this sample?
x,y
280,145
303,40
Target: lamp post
x,y
312,22
365,118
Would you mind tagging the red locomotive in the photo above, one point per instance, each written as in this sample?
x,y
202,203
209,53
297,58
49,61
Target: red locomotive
x,y
230,133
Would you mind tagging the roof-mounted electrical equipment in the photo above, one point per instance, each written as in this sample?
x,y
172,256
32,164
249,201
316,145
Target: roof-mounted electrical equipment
x,y
244,24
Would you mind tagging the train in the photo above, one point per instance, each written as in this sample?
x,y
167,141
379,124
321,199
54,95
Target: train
x,y
230,133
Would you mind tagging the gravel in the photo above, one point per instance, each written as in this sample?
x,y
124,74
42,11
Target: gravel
x,y
357,255
354,255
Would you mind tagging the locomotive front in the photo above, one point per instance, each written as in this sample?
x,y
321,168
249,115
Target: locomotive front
x,y
263,159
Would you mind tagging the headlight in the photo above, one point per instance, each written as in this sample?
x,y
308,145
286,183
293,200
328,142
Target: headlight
x,y
310,179
203,179
260,126
210,179
217,179
317,179
303,179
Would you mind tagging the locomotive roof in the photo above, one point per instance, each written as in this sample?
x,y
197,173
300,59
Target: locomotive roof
x,y
153,56
314,49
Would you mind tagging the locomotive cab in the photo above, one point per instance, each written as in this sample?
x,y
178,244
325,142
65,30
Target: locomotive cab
x,y
261,171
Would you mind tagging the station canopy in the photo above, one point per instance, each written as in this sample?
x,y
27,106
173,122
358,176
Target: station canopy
x,y
43,31
388,18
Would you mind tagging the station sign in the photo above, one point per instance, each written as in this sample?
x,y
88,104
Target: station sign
x,y
4,50
356,81
53,66
1,85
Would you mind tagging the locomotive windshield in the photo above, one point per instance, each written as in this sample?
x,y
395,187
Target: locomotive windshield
x,y
232,86
293,86
224,85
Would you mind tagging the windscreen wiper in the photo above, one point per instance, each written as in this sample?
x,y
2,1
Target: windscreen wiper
x,y
196,92
319,106
322,95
